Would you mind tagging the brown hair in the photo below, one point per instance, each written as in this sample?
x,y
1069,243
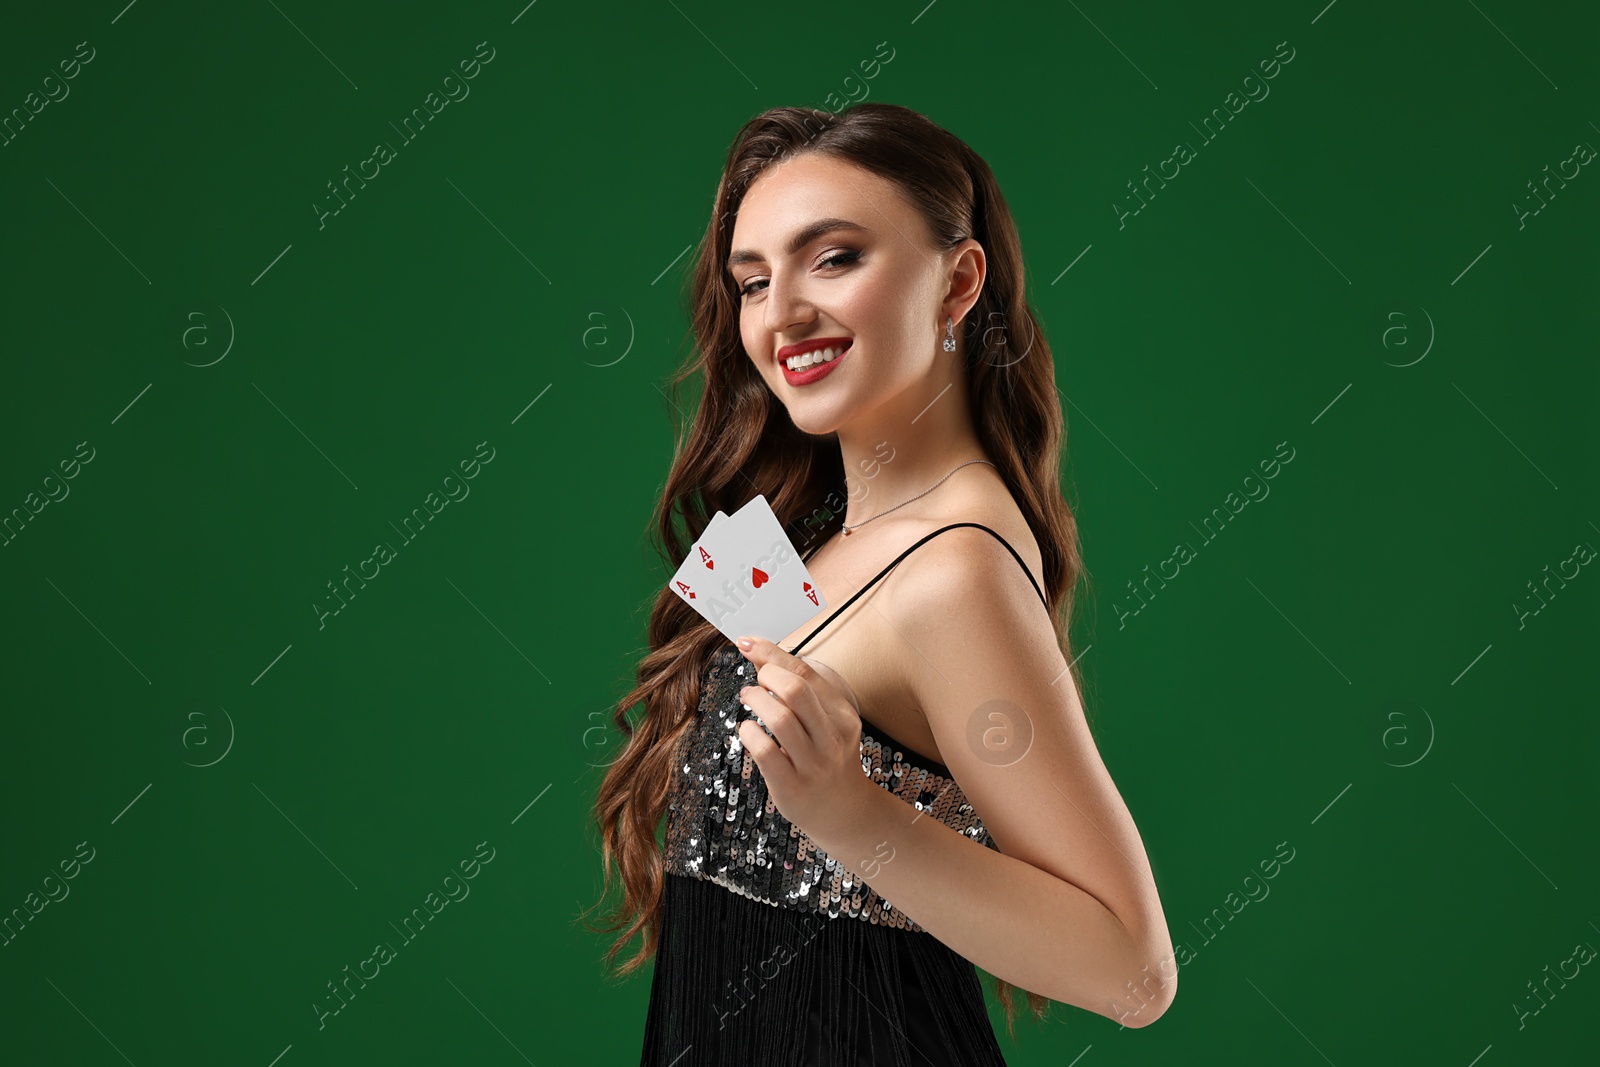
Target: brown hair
x,y
741,443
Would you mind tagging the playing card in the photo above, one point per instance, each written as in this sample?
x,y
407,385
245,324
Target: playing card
x,y
698,568
764,589
712,524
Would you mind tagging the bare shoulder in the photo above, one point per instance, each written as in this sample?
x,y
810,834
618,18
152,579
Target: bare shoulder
x,y
968,563
996,691
964,606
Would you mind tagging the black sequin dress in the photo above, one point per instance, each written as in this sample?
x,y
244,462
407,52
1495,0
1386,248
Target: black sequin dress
x,y
771,954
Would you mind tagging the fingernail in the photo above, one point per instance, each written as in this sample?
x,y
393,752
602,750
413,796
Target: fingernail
x,y
746,644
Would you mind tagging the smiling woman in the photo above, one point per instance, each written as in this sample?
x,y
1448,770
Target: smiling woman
x,y
855,289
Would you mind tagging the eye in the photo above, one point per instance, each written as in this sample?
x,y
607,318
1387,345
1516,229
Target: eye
x,y
837,259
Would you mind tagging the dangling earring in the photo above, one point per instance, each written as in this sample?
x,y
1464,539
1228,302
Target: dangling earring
x,y
949,334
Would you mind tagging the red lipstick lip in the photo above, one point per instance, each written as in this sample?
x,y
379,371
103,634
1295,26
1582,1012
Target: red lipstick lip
x,y
816,371
810,346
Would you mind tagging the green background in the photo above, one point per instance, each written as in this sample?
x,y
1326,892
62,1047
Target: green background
x,y
1342,669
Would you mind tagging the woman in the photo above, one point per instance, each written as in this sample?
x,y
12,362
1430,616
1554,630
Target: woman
x,y
859,308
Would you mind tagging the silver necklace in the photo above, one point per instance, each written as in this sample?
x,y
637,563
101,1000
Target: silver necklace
x,y
919,496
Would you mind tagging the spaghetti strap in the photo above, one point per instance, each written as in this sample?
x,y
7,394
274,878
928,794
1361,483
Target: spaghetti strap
x,y
903,555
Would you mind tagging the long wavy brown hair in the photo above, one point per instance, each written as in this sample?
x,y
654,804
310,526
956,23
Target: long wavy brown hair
x,y
741,442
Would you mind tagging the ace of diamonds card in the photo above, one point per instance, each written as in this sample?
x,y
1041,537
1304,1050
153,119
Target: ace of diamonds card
x,y
745,577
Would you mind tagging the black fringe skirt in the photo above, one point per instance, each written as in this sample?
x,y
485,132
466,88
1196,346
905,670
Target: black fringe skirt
x,y
742,983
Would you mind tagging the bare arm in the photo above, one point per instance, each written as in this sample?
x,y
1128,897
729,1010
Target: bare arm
x,y
1070,909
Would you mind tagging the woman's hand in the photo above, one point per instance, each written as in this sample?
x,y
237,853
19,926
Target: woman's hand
x,y
815,777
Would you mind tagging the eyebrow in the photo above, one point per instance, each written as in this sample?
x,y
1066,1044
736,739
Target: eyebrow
x,y
801,238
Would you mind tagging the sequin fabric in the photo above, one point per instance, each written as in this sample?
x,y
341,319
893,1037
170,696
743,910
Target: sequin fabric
x,y
723,827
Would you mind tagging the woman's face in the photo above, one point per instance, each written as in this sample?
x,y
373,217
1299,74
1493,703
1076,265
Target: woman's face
x,y
876,285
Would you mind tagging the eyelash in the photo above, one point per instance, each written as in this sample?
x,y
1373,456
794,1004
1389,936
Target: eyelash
x,y
847,257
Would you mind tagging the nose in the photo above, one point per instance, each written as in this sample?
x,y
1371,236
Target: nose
x,y
787,311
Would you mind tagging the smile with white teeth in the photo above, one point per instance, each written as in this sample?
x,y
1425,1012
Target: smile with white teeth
x,y
821,355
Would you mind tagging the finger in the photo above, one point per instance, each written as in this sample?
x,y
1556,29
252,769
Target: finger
x,y
806,690
827,708
776,767
833,678
760,651
843,715
786,724
819,680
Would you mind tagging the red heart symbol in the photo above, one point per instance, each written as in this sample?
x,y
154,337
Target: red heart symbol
x,y
758,577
